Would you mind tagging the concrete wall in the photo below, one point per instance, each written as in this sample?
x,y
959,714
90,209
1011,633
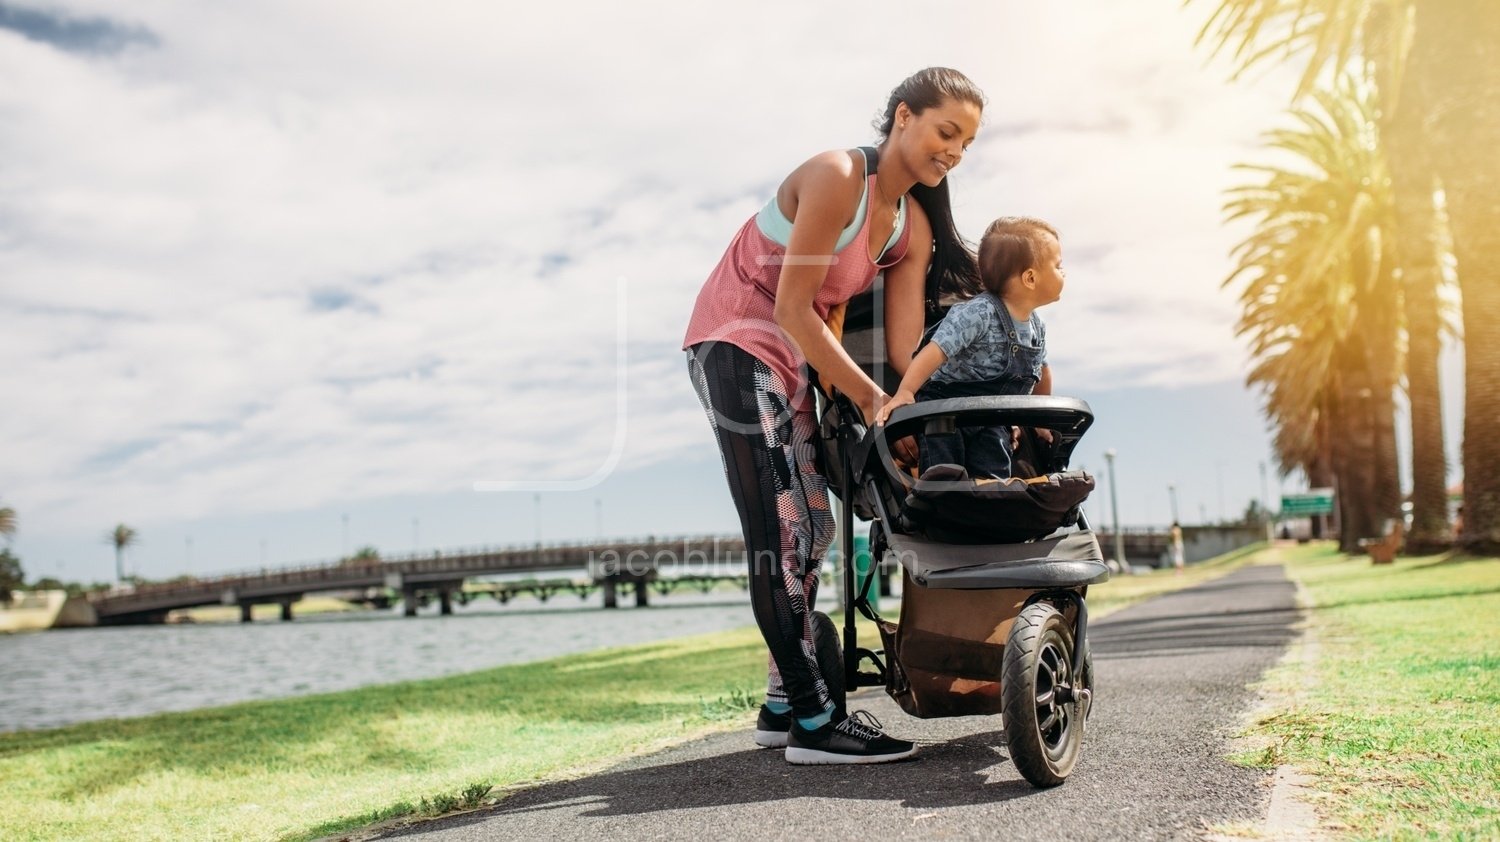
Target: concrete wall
x,y
1200,543
37,610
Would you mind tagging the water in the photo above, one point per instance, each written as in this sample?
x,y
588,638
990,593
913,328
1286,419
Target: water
x,y
61,677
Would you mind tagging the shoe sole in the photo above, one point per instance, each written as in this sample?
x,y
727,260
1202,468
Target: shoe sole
x,y
799,756
770,739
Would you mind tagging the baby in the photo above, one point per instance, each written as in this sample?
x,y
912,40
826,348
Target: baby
x,y
991,344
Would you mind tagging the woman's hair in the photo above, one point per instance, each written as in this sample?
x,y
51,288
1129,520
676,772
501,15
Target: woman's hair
x,y
953,269
1009,247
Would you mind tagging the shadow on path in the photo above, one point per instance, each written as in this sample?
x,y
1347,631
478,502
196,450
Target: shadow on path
x,y
953,774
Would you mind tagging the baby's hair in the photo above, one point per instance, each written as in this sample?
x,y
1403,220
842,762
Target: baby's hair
x,y
1009,247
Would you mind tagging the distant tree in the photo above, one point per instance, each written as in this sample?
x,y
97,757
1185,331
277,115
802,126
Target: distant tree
x,y
363,555
1254,514
12,577
48,583
7,522
121,536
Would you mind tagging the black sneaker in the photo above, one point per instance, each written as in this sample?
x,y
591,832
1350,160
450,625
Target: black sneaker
x,y
771,728
856,739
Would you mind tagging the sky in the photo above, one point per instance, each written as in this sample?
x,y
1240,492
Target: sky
x,y
279,280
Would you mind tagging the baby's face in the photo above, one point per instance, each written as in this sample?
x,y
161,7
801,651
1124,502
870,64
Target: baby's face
x,y
1049,271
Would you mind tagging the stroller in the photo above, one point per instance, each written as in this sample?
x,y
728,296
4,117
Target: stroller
x,y
993,612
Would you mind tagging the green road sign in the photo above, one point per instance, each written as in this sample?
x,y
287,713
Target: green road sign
x,y
1318,501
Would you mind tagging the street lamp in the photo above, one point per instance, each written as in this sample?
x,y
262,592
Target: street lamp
x,y
1114,505
1265,503
1172,495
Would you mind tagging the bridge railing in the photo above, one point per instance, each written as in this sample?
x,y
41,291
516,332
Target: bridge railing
x,y
456,559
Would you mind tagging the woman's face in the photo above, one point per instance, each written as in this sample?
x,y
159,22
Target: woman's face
x,y
934,141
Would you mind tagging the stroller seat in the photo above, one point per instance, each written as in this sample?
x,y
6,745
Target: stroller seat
x,y
945,504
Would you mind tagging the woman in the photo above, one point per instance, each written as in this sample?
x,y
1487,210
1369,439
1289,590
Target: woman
x,y
833,224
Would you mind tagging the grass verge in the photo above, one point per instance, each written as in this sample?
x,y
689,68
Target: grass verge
x,y
1397,718
305,767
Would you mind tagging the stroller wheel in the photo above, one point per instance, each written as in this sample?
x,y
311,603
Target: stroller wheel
x,y
1044,700
830,659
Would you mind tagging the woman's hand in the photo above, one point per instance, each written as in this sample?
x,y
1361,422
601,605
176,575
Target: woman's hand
x,y
870,407
900,399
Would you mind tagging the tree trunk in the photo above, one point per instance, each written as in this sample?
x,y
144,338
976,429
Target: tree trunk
x,y
1417,250
1354,459
1368,482
1457,52
1320,472
1380,312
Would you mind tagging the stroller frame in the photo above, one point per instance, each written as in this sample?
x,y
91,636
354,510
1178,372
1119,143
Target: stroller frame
x,y
868,481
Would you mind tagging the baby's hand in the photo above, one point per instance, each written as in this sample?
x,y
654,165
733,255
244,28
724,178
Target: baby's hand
x,y
898,400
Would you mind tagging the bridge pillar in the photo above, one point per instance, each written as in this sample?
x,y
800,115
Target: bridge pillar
x,y
642,593
611,597
286,610
409,601
445,599
245,609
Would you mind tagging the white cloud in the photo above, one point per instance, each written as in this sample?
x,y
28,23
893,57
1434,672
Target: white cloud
x,y
302,252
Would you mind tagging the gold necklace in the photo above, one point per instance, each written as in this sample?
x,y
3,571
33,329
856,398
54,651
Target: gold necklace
x,y
889,203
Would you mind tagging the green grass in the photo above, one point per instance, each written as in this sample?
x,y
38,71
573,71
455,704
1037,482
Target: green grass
x,y
300,768
1397,714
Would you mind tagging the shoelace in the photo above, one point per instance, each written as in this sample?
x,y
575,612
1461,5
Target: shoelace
x,y
862,725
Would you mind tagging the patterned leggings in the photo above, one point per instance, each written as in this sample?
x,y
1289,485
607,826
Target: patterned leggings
x,y
768,457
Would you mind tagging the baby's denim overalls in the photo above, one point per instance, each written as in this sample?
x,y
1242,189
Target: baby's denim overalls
x,y
985,451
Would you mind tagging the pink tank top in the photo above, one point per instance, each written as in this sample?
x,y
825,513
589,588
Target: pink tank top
x,y
738,301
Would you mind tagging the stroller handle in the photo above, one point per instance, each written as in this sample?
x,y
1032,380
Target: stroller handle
x,y
1065,415
1068,418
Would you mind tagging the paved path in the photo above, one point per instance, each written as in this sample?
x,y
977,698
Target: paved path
x,y
1173,676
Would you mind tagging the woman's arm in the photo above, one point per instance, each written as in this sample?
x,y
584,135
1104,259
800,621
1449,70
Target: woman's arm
x,y
906,292
825,192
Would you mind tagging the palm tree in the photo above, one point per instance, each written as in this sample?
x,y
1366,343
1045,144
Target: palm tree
x,y
7,522
121,536
1456,74
1319,307
1442,51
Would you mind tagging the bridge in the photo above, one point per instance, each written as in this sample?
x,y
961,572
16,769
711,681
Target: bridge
x,y
611,566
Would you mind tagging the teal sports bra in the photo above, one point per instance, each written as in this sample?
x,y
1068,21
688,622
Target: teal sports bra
x,y
778,229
